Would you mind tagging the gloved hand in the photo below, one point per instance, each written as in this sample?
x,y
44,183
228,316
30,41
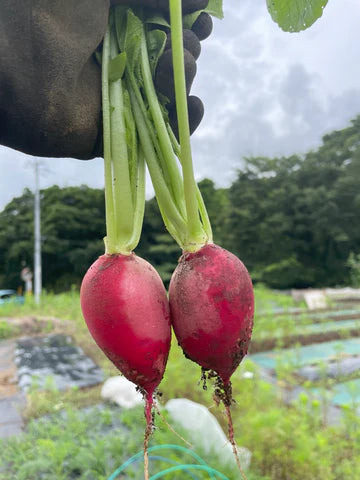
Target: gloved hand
x,y
164,75
50,84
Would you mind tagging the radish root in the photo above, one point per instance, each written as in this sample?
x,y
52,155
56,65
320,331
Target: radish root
x,y
232,441
223,394
148,431
170,427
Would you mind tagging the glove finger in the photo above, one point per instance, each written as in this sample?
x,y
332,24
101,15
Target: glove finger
x,y
191,43
203,26
164,75
195,111
188,6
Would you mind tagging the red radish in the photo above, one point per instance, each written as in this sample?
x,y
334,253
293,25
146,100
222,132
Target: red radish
x,y
212,309
126,309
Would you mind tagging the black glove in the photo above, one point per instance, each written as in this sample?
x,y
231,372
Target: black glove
x,y
164,75
188,6
50,83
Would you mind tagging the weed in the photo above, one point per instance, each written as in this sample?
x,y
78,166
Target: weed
x,y
7,330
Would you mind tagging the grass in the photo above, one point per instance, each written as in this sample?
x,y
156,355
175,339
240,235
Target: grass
x,y
7,330
287,442
266,301
64,305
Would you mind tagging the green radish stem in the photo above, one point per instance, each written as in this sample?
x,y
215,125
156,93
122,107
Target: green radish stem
x,y
132,110
162,180
184,213
122,187
204,215
196,238
202,208
161,129
161,190
110,240
139,203
123,159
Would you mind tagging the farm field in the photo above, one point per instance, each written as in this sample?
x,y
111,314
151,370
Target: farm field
x,y
296,402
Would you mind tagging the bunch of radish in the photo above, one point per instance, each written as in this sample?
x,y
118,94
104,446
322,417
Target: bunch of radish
x,y
125,305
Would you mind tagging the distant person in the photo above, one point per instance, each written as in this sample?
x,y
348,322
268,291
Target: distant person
x,y
26,276
50,83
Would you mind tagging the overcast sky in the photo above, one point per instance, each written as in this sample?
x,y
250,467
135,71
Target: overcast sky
x,y
265,92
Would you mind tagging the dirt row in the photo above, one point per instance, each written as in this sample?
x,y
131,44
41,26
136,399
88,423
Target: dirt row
x,y
257,346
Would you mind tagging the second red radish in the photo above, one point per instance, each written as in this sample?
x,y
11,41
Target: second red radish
x,y
212,309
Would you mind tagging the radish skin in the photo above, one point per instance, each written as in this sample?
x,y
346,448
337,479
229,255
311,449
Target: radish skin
x,y
126,310
212,309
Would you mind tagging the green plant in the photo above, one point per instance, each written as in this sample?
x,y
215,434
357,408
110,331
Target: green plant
x,y
89,444
354,266
295,15
7,330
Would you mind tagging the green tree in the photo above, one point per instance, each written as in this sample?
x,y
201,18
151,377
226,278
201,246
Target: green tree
x,y
72,227
217,205
16,239
294,220
156,245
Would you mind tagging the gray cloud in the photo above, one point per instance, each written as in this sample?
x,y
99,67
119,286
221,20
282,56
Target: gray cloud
x,y
270,93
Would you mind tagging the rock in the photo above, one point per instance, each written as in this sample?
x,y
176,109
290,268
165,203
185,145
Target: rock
x,y
315,299
121,391
205,431
343,294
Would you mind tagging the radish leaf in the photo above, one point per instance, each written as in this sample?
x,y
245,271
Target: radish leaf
x,y
117,67
156,40
214,8
131,43
295,15
190,19
158,20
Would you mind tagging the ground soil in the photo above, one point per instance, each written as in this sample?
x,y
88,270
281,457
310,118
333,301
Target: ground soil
x,y
8,382
286,342
33,325
348,316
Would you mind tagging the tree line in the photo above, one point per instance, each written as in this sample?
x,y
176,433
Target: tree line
x,y
292,220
